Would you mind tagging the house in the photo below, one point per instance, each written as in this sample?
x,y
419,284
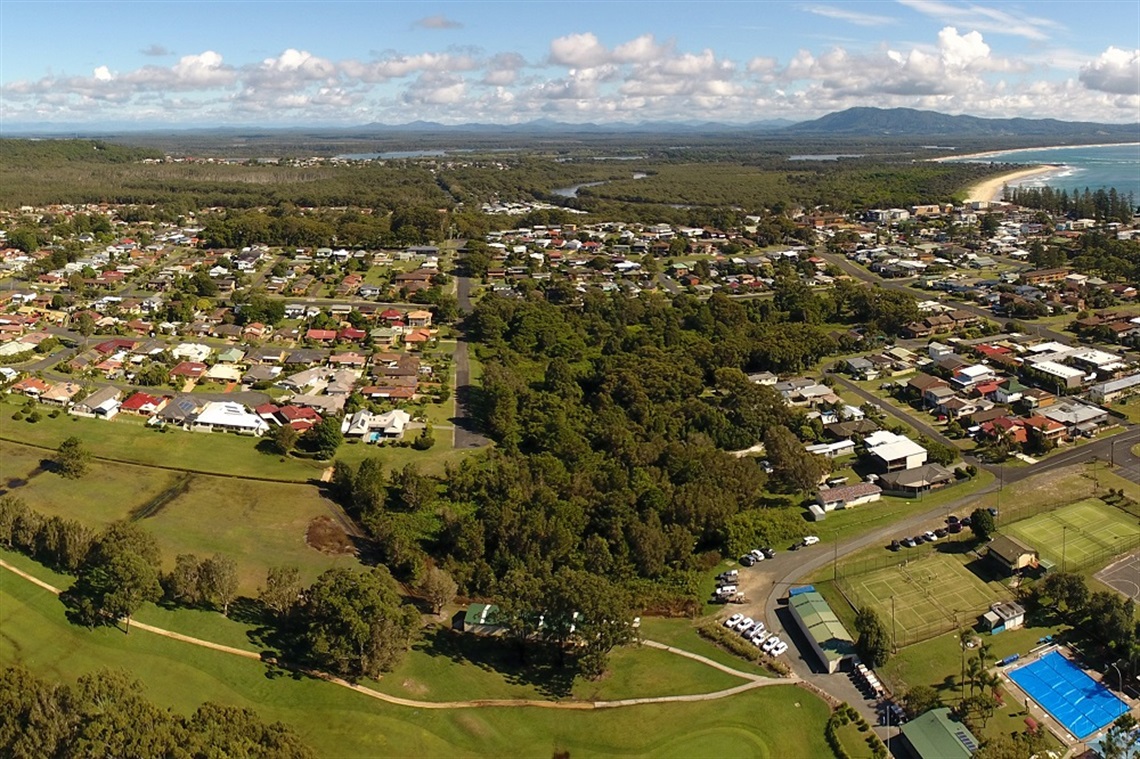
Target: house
x,y
1078,418
861,369
1004,615
143,404
228,416
189,369
33,387
912,483
891,452
1011,555
1047,428
848,496
61,393
365,424
938,735
419,318
180,411
103,403
321,335
832,450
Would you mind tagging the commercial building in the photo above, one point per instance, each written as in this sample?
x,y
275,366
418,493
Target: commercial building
x,y
937,735
891,452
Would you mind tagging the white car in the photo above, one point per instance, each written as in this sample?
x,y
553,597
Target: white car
x,y
734,620
930,536
811,540
746,622
747,631
758,640
757,554
770,644
780,648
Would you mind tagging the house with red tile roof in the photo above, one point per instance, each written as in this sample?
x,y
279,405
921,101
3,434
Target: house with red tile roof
x,y
33,387
189,369
321,335
144,404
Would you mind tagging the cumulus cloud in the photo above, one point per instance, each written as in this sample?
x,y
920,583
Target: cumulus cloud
x,y
578,50
503,69
404,65
1115,71
200,71
437,22
850,16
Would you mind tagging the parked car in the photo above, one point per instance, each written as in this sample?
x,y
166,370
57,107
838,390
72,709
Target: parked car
x,y
730,576
747,560
954,528
758,640
941,532
964,521
779,648
919,539
757,554
894,546
770,644
734,620
951,519
746,622
930,536
726,590
811,540
908,542
746,632
768,552
993,511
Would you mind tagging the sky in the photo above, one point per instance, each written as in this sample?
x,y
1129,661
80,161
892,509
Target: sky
x,y
337,63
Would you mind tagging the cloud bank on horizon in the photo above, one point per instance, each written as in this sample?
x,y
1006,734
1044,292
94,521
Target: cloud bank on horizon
x,y
505,62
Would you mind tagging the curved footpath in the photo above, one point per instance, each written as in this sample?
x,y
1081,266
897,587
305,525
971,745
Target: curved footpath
x,y
752,681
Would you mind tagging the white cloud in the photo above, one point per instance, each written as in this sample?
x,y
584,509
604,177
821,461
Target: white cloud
x,y
578,50
437,22
404,65
1115,71
103,74
854,17
643,49
986,19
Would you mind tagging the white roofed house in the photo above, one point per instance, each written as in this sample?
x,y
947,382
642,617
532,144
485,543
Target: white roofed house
x,y
847,496
371,427
890,452
228,416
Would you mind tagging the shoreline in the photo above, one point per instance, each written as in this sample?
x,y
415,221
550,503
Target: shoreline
x,y
990,190
991,153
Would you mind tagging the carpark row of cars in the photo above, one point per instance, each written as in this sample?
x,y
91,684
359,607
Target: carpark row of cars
x,y
953,526
754,630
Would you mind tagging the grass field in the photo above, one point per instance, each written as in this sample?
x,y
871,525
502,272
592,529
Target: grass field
x,y
127,439
257,524
933,591
338,722
1079,534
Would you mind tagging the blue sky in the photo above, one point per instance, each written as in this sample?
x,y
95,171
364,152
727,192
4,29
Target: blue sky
x,y
343,63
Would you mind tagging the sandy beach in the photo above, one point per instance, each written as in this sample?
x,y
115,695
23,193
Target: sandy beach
x,y
991,188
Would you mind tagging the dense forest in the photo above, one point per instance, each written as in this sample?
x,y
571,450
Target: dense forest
x,y
1102,205
79,171
614,419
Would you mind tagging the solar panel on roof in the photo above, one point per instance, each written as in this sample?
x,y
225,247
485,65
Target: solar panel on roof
x,y
965,740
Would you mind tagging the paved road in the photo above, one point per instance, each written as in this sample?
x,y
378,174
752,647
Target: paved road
x,y
465,434
918,424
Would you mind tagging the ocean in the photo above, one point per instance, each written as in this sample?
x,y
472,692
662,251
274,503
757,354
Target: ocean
x,y
1078,167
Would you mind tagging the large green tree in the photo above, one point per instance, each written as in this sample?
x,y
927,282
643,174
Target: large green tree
x,y
355,624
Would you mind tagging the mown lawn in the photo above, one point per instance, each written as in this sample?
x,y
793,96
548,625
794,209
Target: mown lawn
x,y
769,722
257,524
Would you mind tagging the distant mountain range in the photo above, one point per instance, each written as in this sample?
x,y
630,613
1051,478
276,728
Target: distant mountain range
x,y
908,122
853,122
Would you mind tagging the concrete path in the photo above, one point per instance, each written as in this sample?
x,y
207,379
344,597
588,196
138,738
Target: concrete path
x,y
752,681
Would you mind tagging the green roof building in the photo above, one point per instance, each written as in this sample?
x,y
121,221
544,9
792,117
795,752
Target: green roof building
x,y
483,619
829,638
935,735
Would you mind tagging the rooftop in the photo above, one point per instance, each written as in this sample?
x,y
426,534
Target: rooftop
x,y
823,625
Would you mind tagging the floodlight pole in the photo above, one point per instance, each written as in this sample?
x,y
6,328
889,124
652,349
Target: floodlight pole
x,y
1119,677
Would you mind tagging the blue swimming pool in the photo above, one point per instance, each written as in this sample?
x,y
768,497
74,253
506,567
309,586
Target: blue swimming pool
x,y
1079,703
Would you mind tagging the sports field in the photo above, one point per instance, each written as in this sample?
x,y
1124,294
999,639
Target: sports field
x,y
1095,532
932,593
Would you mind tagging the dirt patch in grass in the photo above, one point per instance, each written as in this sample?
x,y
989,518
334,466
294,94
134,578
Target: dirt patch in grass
x,y
414,687
327,536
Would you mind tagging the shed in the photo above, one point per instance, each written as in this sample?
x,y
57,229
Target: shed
x,y
936,735
1011,554
827,635
483,619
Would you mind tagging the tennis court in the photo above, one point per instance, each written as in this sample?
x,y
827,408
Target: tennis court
x,y
1079,703
1080,533
933,591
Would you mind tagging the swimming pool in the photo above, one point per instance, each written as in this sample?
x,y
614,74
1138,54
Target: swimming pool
x,y
1079,703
